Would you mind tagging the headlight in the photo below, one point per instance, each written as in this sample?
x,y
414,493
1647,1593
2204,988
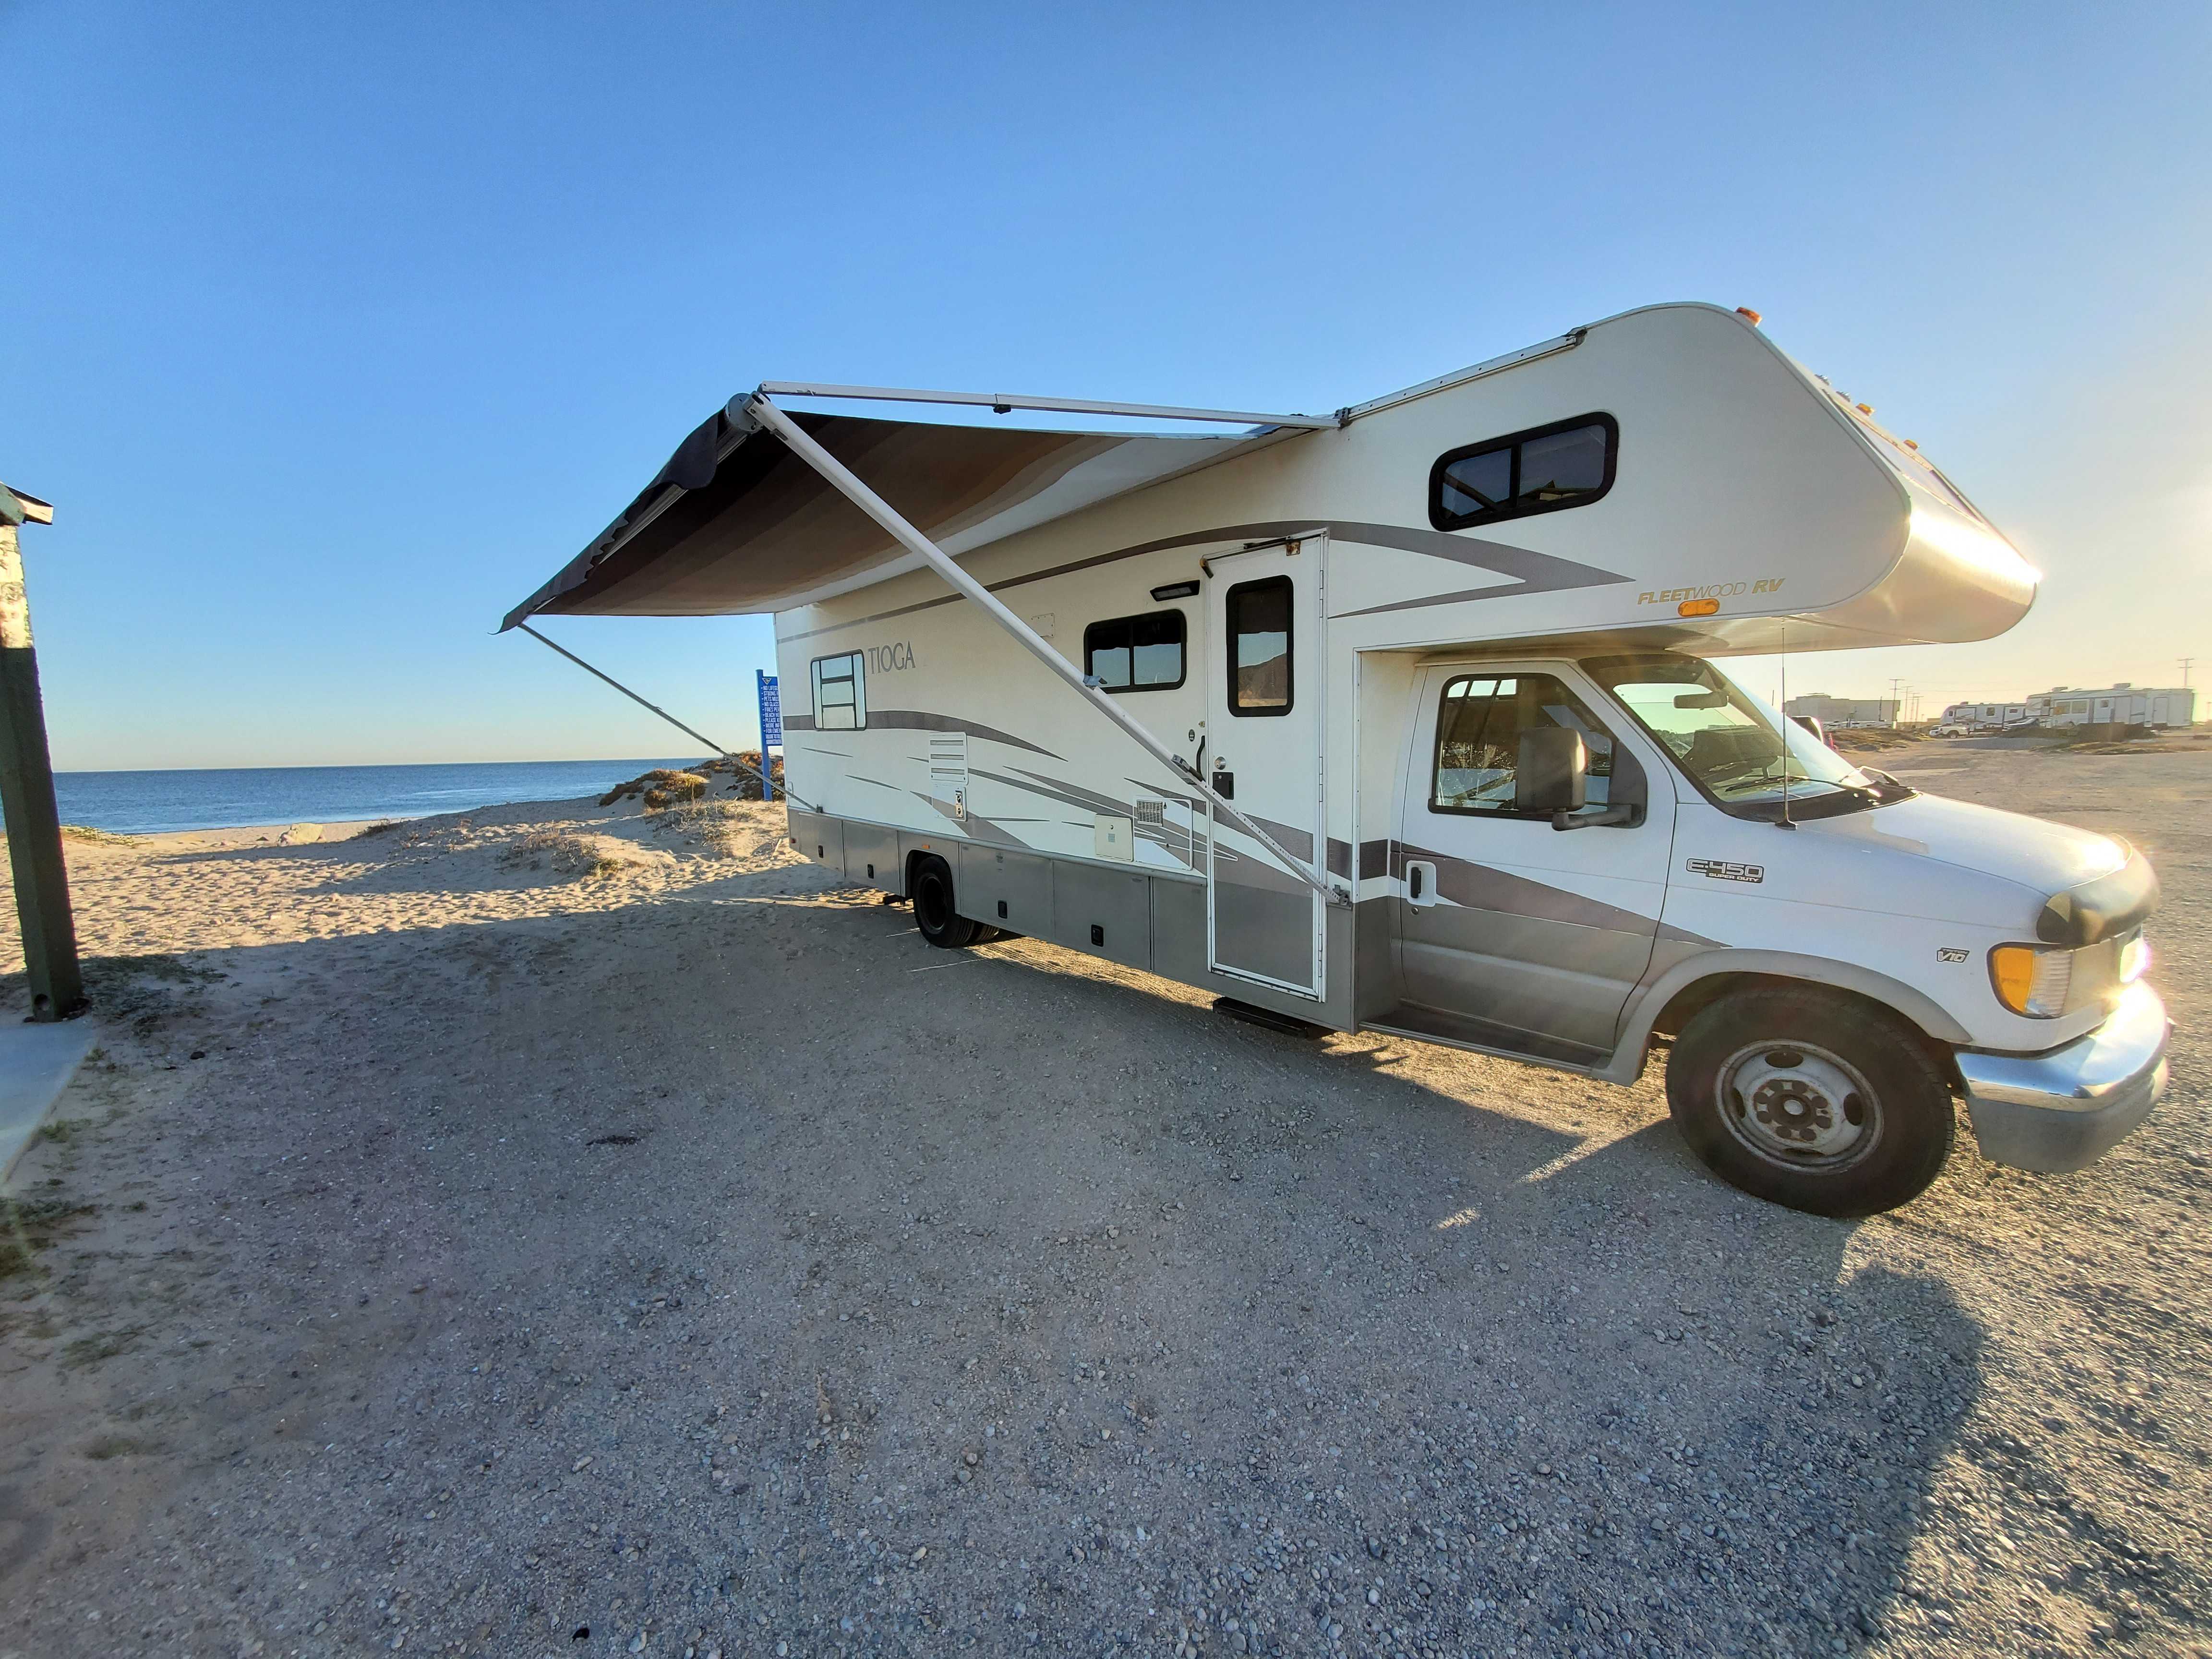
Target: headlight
x,y
2031,981
2134,959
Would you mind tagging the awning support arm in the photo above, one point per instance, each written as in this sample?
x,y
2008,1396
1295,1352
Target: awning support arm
x,y
766,785
762,410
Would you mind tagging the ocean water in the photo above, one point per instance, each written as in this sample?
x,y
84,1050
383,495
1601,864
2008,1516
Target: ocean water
x,y
148,803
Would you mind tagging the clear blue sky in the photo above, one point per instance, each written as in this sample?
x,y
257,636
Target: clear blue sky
x,y
332,330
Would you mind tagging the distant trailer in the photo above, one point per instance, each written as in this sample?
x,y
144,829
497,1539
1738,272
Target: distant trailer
x,y
1403,719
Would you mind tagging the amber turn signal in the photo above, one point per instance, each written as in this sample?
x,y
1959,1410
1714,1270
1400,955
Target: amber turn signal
x,y
1697,607
2031,981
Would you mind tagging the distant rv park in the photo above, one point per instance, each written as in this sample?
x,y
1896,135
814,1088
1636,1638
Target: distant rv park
x,y
2060,709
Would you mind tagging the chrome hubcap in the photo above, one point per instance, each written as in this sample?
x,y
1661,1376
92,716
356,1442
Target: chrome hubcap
x,y
1795,1103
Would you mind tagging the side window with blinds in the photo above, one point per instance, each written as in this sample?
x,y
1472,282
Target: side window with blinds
x,y
1260,646
841,699
1543,469
1480,721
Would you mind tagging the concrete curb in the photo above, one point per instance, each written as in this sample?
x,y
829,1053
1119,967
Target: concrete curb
x,y
36,1064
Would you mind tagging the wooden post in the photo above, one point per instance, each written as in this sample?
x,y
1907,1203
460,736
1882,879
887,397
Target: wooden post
x,y
26,787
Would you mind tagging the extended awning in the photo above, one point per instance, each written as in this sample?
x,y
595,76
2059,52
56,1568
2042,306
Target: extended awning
x,y
736,523
759,511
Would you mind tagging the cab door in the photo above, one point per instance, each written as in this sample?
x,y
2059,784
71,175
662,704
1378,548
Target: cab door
x,y
1511,934
1263,729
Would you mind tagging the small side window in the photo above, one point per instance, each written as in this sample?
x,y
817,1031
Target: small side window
x,y
1543,469
1480,721
1136,654
1260,646
840,698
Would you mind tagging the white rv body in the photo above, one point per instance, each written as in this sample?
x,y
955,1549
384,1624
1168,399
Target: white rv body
x,y
1746,507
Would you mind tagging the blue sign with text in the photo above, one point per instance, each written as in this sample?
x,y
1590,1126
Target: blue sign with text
x,y
771,727
771,709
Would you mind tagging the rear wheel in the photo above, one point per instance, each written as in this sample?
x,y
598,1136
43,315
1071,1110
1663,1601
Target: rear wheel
x,y
1812,1099
934,913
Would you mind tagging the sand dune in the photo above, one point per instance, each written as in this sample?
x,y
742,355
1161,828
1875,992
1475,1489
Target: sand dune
x,y
218,888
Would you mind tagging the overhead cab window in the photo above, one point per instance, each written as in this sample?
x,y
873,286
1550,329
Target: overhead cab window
x,y
1136,654
1480,721
1543,469
840,698
1260,645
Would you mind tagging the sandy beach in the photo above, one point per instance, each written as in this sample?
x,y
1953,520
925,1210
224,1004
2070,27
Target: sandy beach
x,y
559,1229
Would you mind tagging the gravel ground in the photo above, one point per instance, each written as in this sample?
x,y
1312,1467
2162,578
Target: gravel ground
x,y
727,1272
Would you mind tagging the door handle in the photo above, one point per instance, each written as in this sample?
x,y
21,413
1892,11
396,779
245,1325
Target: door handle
x,y
1420,882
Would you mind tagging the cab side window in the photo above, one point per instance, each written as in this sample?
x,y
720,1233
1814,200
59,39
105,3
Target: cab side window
x,y
1479,720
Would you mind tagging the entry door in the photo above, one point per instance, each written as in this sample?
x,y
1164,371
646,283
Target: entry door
x,y
1263,733
1510,933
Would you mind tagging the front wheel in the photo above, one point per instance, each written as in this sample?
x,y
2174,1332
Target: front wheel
x,y
934,914
1812,1099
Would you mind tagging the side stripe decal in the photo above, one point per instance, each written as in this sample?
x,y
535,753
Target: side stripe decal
x,y
1481,887
1532,572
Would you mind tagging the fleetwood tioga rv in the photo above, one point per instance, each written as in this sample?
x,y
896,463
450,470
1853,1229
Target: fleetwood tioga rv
x,y
1408,719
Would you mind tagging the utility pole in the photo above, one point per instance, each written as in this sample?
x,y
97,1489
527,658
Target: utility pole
x,y
1896,703
2185,664
26,786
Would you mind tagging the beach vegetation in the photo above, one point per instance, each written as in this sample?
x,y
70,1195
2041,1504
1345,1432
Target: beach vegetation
x,y
583,857
743,771
102,1447
102,1345
101,837
711,825
675,789
156,964
28,1226
659,788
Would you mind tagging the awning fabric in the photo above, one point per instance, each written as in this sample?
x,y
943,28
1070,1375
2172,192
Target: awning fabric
x,y
735,523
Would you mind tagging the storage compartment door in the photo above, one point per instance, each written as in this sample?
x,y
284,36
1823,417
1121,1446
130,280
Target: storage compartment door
x,y
1263,731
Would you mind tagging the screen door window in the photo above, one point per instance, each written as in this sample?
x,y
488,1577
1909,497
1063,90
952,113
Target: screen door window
x,y
1260,645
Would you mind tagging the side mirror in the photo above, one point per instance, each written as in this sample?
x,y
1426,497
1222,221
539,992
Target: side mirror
x,y
1812,723
1553,772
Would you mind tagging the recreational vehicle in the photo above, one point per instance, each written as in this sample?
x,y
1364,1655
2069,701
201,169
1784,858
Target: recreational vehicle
x,y
1409,718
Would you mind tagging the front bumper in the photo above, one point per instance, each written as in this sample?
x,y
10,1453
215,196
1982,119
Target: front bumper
x,y
2065,1110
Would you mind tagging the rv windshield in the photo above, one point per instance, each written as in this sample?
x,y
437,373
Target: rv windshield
x,y
1740,755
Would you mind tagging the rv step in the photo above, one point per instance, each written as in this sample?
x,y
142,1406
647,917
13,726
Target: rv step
x,y
1288,1023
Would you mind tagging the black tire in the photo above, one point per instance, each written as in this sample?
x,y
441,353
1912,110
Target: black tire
x,y
935,913
1811,1099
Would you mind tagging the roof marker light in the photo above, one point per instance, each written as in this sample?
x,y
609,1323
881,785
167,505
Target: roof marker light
x,y
1910,444
1750,315
1864,409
